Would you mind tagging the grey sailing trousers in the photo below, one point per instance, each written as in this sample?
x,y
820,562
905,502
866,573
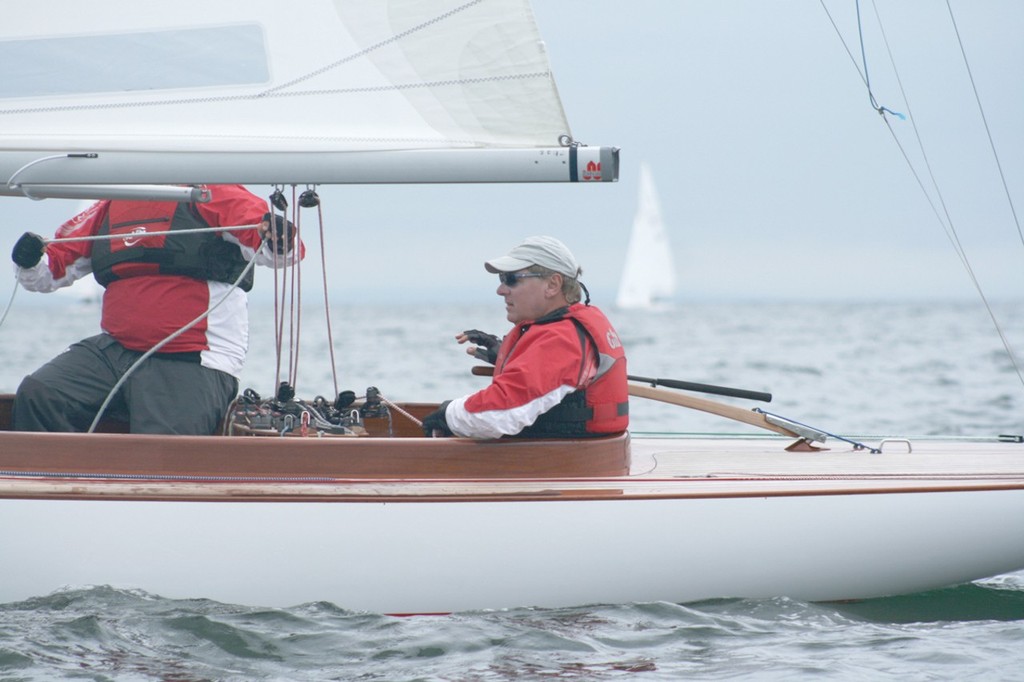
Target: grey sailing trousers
x,y
162,395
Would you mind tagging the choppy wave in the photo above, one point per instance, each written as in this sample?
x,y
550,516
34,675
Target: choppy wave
x,y
101,633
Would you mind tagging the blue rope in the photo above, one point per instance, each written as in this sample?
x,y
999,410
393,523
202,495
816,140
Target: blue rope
x,y
867,78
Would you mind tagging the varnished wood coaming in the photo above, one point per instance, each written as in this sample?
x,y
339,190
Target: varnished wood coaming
x,y
402,456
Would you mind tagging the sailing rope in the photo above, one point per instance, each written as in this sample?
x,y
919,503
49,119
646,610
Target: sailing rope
x,y
947,221
10,302
309,199
283,307
288,288
398,409
188,230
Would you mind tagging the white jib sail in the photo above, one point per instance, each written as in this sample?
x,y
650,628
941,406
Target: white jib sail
x,y
649,275
218,91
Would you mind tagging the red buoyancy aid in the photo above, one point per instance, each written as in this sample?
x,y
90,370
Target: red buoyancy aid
x,y
204,256
601,406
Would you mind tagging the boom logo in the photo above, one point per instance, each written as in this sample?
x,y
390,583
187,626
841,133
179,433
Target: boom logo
x,y
592,171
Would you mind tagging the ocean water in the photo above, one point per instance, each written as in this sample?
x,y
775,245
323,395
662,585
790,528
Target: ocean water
x,y
874,369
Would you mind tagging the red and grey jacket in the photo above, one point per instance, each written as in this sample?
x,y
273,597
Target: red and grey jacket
x,y
142,303
204,256
562,375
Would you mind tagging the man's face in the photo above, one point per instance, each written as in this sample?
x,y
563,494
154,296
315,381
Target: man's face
x,y
528,295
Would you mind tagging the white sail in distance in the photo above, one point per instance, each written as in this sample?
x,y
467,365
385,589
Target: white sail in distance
x,y
326,91
649,276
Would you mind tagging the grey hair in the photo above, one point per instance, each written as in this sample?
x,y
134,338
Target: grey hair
x,y
570,285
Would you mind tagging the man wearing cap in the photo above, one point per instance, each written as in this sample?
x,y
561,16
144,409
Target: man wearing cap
x,y
559,373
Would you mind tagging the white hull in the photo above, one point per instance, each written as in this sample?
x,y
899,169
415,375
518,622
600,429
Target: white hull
x,y
876,525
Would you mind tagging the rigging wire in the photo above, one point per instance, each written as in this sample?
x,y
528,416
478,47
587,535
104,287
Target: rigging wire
x,y
946,223
984,120
11,185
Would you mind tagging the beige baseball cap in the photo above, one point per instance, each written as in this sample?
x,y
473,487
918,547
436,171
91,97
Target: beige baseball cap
x,y
546,252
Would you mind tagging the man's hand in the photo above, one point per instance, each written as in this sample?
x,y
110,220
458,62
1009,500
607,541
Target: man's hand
x,y
28,250
486,347
435,423
278,232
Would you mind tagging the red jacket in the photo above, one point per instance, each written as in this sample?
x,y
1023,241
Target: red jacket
x,y
561,375
141,309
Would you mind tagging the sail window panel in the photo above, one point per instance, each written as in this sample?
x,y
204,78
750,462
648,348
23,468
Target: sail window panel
x,y
142,61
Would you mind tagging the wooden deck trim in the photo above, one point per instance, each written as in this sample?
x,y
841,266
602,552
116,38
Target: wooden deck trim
x,y
458,491
361,458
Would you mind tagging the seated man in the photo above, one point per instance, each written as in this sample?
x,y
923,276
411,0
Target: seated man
x,y
153,286
560,372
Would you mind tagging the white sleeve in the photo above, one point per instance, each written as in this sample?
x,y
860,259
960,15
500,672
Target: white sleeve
x,y
39,278
498,423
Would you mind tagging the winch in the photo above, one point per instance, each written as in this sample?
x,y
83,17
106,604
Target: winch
x,y
284,415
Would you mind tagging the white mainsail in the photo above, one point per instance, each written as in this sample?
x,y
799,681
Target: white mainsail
x,y
258,92
649,277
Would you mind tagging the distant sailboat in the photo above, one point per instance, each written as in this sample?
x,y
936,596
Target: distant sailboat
x,y
649,278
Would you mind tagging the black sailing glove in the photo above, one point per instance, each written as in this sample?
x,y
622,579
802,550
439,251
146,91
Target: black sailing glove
x,y
435,423
282,232
486,345
28,250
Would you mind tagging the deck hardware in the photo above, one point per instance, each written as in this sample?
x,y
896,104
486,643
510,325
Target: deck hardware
x,y
910,448
811,432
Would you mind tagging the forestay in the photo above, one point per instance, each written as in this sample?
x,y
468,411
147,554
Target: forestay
x,y
259,92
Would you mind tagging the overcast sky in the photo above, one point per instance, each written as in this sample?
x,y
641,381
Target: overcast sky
x,y
777,178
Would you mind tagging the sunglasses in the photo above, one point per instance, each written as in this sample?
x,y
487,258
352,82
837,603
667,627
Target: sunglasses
x,y
510,279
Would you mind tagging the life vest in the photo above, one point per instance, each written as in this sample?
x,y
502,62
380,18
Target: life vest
x,y
204,256
600,407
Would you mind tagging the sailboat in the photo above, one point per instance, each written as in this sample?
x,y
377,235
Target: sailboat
x,y
649,276
297,501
